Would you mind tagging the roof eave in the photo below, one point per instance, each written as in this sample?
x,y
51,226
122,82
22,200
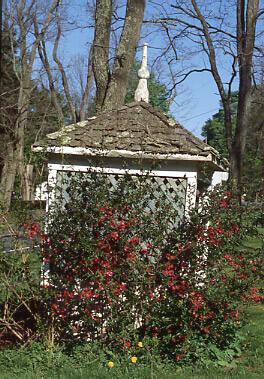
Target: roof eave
x,y
209,156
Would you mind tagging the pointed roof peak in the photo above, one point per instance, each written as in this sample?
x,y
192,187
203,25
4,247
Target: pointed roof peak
x,y
142,93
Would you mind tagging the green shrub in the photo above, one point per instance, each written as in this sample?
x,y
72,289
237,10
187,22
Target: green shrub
x,y
121,273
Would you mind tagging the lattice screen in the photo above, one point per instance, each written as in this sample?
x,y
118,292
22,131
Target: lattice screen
x,y
167,189
172,189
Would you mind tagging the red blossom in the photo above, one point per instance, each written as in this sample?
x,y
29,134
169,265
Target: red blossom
x,y
178,357
134,240
178,286
197,300
234,313
131,257
170,257
205,329
115,236
235,228
32,229
120,287
254,295
223,203
86,293
121,225
169,270
127,344
151,295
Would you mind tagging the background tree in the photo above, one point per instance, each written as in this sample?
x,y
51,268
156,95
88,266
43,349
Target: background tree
x,y
1,28
20,18
8,109
214,131
210,30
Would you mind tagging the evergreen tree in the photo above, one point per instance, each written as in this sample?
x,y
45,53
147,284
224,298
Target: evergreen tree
x,y
253,162
214,128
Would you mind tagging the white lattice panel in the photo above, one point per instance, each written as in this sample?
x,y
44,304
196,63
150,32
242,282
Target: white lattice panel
x,y
170,190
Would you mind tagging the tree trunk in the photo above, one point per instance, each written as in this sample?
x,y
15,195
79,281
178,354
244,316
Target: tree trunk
x,y
88,86
8,176
103,17
27,185
111,88
246,33
117,87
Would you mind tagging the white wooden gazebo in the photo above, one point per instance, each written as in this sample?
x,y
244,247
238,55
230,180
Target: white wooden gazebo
x,y
133,139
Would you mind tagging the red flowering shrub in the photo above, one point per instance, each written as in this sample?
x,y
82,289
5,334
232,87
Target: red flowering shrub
x,y
119,270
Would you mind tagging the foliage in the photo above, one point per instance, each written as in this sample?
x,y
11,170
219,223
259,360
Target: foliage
x,y
214,129
22,310
120,273
214,132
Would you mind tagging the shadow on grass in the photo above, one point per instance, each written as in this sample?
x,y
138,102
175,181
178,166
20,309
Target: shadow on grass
x,y
249,365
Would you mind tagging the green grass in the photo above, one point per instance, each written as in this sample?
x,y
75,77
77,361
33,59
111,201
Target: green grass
x,y
254,242
249,365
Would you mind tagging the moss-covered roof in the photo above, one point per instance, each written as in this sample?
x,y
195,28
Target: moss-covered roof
x,y
136,127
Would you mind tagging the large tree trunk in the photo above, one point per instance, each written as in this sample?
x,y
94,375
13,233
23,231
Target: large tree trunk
x,y
103,17
117,88
8,176
111,88
246,32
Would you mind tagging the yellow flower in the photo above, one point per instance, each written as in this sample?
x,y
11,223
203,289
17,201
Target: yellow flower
x,y
140,344
134,359
110,364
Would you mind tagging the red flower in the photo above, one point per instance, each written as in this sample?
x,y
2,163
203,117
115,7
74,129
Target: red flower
x,y
197,300
234,313
115,236
108,274
178,357
119,288
170,257
223,203
205,329
134,240
86,293
131,257
44,238
169,270
235,228
121,225
127,344
32,229
255,296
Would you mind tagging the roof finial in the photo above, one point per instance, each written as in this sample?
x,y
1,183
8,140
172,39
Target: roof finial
x,y
142,93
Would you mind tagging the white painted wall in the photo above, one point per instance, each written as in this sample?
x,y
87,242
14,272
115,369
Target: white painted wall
x,y
218,178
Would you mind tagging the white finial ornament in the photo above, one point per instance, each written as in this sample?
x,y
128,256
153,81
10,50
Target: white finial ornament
x,y
142,93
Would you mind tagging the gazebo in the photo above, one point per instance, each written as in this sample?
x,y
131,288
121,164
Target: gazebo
x,y
134,139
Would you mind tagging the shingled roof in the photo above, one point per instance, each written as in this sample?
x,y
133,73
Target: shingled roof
x,y
136,127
